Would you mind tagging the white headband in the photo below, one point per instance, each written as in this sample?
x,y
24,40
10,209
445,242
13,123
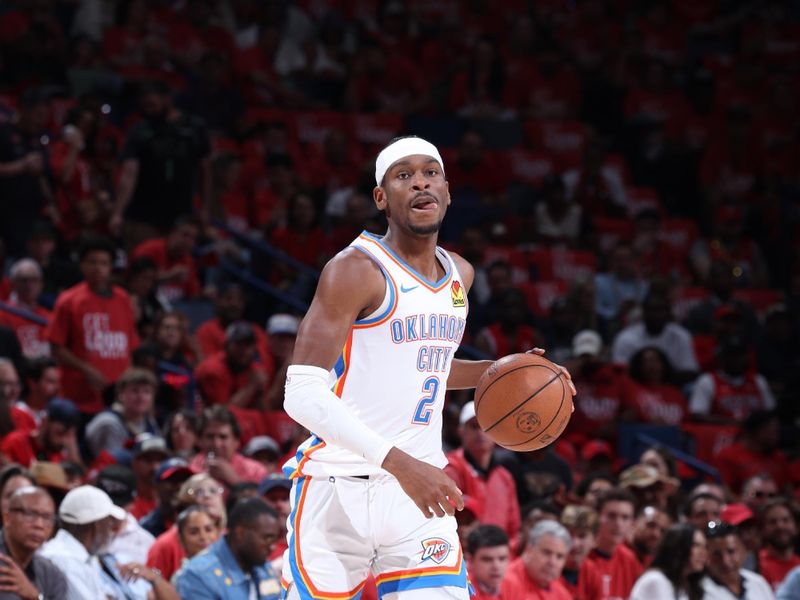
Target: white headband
x,y
400,149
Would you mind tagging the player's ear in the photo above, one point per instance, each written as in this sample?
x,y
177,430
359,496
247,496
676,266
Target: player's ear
x,y
379,196
447,191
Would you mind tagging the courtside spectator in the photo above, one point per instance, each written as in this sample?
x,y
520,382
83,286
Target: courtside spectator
x,y
177,272
581,522
169,477
43,383
677,567
725,578
611,568
779,535
648,531
477,474
594,485
219,456
537,572
131,415
197,530
702,509
55,440
487,553
26,286
274,490
93,330
234,375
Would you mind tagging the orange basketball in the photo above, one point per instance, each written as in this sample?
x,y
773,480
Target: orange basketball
x,y
523,402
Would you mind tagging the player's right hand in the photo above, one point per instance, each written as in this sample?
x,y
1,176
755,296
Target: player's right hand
x,y
429,487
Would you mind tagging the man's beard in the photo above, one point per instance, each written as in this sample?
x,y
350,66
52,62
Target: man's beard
x,y
425,229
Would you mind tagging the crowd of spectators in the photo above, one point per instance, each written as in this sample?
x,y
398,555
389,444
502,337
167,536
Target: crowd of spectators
x,y
624,179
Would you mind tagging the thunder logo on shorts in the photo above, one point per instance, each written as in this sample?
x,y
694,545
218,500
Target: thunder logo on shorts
x,y
435,549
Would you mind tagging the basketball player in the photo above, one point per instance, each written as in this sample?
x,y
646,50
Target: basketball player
x,y
373,359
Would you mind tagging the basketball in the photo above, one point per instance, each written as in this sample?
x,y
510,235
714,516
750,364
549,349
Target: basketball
x,y
523,402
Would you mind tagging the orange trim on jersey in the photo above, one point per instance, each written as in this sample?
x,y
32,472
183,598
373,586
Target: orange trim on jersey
x,y
424,572
306,579
395,293
348,347
427,284
284,584
298,472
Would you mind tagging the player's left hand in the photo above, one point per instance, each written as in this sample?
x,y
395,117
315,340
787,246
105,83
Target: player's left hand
x,y
564,370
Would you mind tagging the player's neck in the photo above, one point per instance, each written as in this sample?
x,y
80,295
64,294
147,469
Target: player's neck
x,y
419,252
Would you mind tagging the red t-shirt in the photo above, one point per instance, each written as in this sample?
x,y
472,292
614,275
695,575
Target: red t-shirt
x,y
32,336
737,464
166,554
773,569
23,448
525,338
217,383
518,585
174,291
661,404
141,506
604,577
211,339
23,420
99,330
497,493
598,401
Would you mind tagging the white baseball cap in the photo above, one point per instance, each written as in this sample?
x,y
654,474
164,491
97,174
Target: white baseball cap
x,y
587,342
87,504
467,413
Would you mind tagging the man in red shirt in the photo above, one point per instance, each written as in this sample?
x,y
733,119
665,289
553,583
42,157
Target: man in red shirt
x,y
148,454
536,574
43,381
54,441
219,454
611,568
779,533
487,553
26,285
93,330
233,376
177,271
478,475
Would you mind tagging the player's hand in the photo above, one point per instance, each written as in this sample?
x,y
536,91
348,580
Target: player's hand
x,y
564,370
430,488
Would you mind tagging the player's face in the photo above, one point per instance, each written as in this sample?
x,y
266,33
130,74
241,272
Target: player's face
x,y
545,561
414,194
487,566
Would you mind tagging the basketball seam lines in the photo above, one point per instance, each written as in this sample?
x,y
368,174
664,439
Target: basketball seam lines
x,y
546,427
478,400
518,406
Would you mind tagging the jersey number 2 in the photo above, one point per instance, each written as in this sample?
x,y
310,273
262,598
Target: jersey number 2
x,y
422,416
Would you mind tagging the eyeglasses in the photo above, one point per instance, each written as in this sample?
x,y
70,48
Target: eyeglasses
x,y
32,515
210,492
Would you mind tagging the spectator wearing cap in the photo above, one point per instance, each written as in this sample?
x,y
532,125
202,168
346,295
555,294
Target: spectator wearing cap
x,y
754,453
177,271
729,394
581,522
131,415
93,330
219,450
229,308
741,517
487,553
26,286
148,453
779,536
659,330
478,474
43,383
648,530
169,477
234,376
55,440
282,331
648,486
620,288
28,522
757,490
701,509
537,572
275,490
611,568
265,450
87,518
725,578
236,567
598,403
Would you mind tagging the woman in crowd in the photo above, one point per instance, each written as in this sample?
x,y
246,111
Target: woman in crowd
x,y
651,396
197,530
180,432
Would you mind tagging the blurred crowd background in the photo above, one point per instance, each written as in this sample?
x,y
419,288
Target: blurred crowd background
x,y
624,176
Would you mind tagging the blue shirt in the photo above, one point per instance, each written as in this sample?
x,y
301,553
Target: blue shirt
x,y
214,574
790,588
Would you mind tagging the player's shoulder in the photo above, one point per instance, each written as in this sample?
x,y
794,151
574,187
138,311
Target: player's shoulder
x,y
352,265
465,269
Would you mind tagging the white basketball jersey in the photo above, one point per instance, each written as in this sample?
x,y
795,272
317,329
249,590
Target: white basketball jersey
x,y
392,372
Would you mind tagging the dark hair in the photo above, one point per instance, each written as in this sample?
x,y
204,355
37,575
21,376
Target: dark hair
x,y
73,469
542,504
637,362
238,492
12,470
615,495
183,516
140,265
587,481
37,366
486,536
188,415
687,508
720,529
672,556
247,511
220,414
91,242
772,503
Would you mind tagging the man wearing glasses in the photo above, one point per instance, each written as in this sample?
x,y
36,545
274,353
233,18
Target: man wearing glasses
x,y
28,523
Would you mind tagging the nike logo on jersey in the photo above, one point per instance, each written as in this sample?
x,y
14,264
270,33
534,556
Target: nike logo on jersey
x,y
405,289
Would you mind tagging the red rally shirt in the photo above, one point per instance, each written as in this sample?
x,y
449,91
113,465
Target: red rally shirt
x,y
173,291
211,338
773,569
32,336
608,577
737,464
100,330
216,381
22,447
518,585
